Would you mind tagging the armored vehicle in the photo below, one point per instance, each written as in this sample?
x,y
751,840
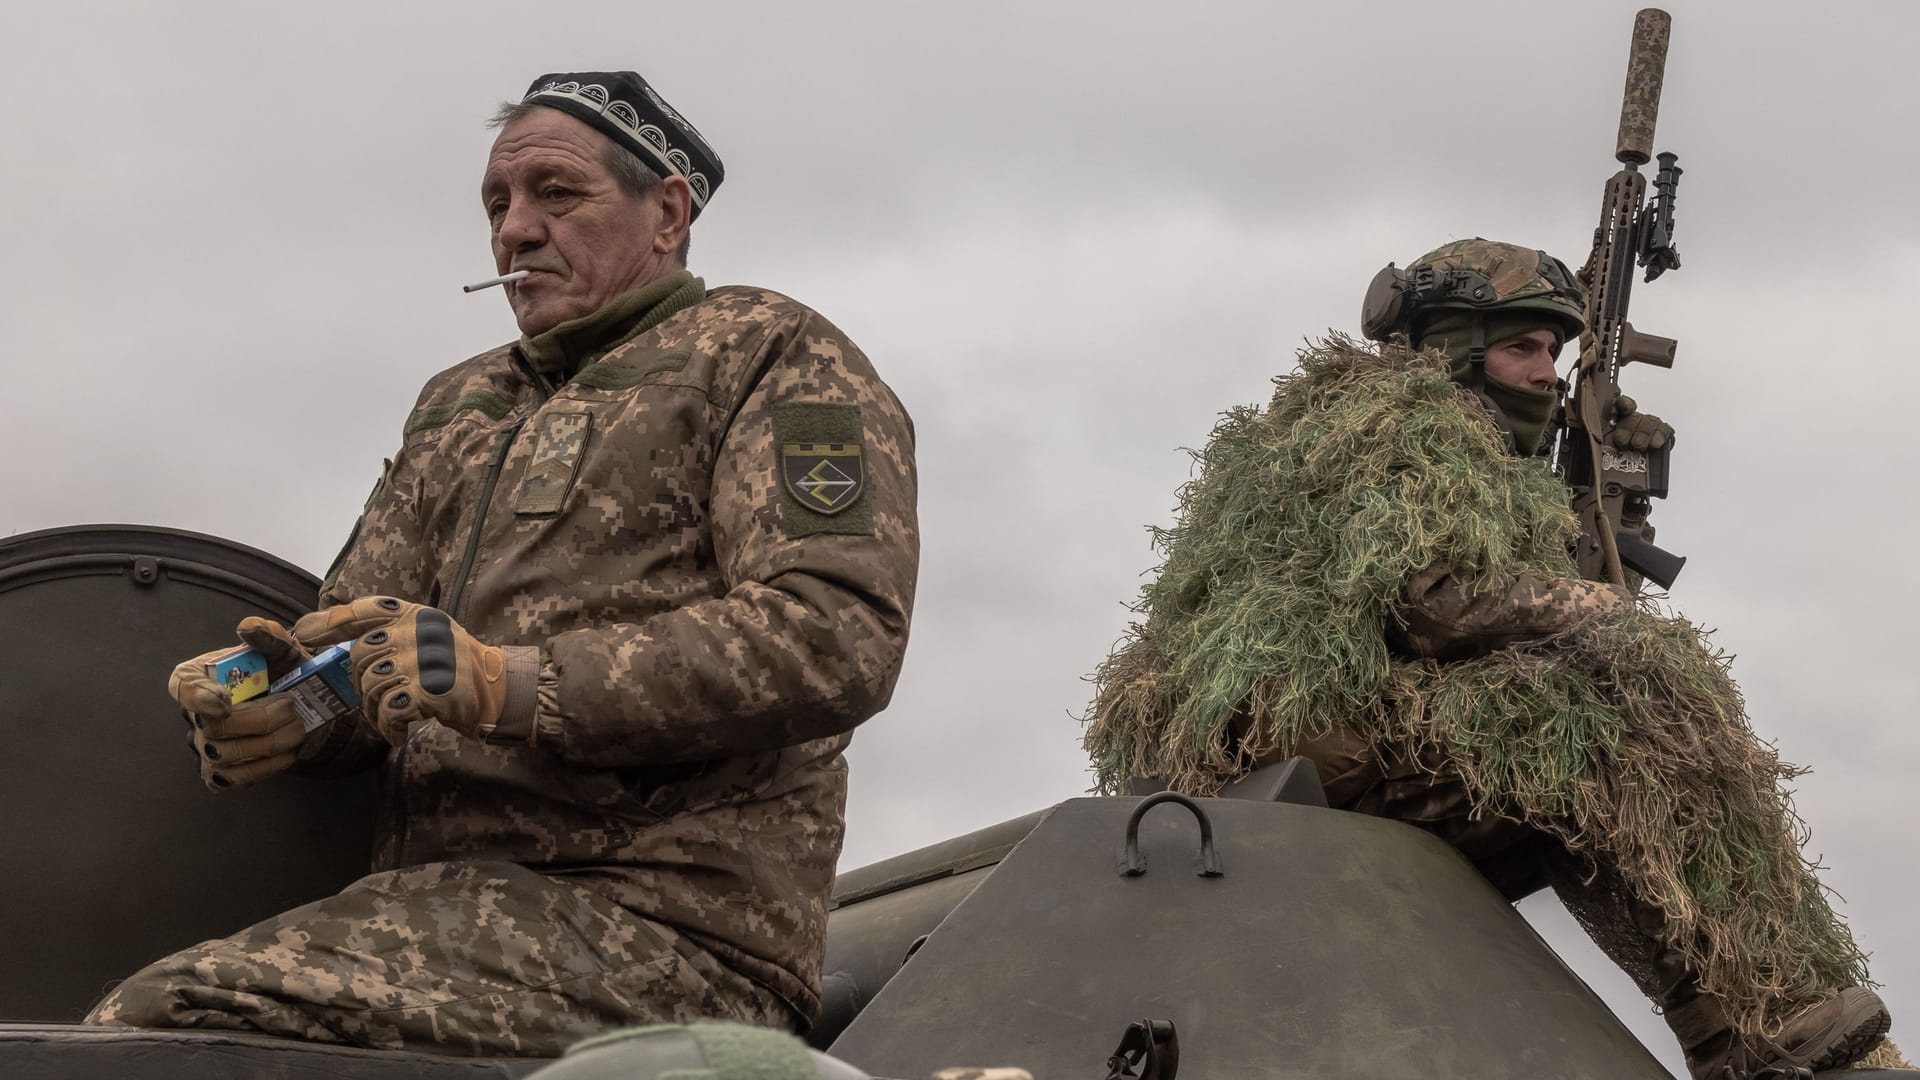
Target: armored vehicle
x,y
1254,936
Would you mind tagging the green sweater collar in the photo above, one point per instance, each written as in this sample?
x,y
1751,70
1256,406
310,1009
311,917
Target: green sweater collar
x,y
568,347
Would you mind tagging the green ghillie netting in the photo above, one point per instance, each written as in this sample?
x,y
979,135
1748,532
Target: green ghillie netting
x,y
1624,736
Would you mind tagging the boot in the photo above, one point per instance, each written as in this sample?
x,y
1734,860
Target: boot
x,y
1837,1030
1834,1031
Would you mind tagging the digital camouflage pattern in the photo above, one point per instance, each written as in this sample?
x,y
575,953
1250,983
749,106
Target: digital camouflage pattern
x,y
481,958
701,668
1449,614
1363,573
1640,103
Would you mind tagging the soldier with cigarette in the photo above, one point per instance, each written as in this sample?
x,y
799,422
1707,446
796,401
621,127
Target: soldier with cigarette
x,y
616,604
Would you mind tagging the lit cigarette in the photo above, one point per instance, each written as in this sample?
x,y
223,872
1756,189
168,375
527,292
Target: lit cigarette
x,y
492,281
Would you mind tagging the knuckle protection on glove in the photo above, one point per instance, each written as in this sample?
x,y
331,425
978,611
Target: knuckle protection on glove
x,y
376,648
396,711
422,665
434,646
387,676
400,703
376,670
374,694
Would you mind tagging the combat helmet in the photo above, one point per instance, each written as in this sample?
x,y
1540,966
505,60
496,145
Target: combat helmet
x,y
1477,277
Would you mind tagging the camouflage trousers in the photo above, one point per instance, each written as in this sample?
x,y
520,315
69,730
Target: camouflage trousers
x,y
476,958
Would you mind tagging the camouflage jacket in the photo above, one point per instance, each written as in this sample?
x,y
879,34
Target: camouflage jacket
x,y
708,638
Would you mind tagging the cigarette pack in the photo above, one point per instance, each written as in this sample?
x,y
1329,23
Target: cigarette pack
x,y
243,672
322,688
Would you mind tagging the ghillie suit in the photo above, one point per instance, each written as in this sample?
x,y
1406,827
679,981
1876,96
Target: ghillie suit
x,y
1621,736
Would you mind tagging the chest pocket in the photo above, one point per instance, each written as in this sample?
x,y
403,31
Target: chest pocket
x,y
558,444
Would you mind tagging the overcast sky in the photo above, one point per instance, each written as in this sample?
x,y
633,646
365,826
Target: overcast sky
x,y
1069,235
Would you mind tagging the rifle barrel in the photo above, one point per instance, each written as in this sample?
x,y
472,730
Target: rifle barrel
x,y
1640,105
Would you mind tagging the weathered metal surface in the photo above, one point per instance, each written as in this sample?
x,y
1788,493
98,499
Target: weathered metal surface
x,y
879,911
969,851
1333,946
114,854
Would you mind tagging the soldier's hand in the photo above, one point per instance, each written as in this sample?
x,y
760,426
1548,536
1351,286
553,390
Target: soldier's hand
x,y
1635,430
245,743
412,662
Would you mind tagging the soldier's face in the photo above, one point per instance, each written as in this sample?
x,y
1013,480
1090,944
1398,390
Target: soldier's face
x,y
556,209
1525,360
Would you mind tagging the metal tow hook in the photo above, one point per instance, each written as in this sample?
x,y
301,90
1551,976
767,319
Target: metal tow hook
x,y
1134,864
1150,1050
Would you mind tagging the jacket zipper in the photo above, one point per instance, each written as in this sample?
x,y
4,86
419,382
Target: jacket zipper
x,y
494,465
404,828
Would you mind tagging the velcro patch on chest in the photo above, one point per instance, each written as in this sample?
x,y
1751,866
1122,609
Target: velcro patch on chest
x,y
558,443
822,464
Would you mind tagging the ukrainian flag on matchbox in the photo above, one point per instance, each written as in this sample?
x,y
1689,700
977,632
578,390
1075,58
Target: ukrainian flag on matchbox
x,y
243,672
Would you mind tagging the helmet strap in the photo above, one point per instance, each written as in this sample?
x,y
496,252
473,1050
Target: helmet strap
x,y
1474,375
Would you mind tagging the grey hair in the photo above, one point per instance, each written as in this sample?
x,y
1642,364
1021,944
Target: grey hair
x,y
632,174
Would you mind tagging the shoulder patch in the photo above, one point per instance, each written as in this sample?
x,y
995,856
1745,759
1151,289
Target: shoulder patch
x,y
821,458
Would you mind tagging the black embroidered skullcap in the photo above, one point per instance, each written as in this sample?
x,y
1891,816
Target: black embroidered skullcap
x,y
624,108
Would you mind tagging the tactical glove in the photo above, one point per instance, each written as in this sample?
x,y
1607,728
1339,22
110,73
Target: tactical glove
x,y
412,662
1635,430
244,743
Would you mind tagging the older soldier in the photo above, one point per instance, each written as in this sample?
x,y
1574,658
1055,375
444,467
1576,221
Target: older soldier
x,y
1374,572
616,604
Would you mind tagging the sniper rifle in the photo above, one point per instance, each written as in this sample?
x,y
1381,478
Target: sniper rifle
x,y
1613,487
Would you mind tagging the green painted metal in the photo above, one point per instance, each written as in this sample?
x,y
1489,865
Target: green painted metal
x,y
113,853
